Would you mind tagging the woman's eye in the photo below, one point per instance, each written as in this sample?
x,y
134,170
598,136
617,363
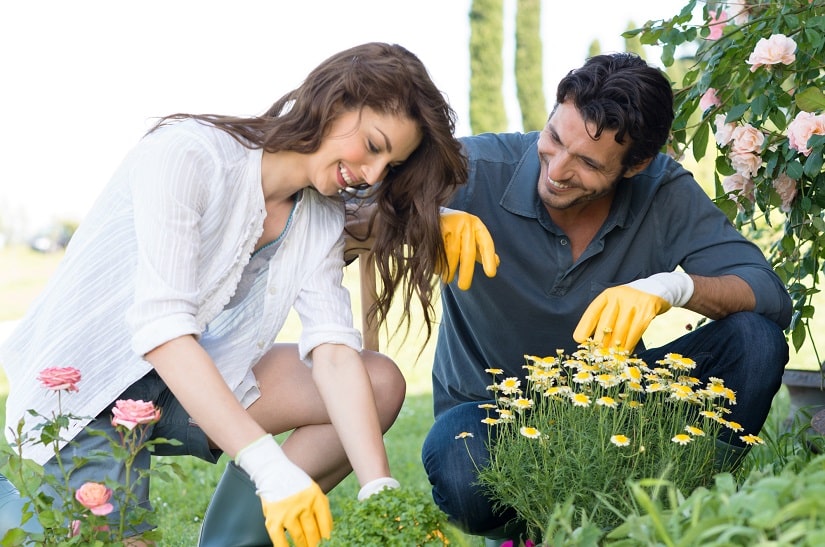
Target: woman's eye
x,y
372,148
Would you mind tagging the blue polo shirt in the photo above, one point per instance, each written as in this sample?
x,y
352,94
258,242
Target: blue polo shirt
x,y
660,219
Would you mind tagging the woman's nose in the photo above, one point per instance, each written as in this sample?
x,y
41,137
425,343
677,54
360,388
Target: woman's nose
x,y
374,172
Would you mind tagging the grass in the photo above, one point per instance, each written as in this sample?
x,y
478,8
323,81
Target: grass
x,y
180,504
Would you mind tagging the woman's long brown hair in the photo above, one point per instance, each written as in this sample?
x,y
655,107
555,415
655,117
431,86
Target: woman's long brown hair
x,y
408,247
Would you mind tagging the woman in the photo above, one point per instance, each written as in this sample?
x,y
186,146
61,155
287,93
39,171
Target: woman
x,y
174,288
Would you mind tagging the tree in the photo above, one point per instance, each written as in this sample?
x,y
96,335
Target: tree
x,y
487,112
529,73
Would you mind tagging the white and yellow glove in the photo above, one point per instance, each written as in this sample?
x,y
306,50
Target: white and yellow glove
x,y
466,241
620,315
292,502
377,485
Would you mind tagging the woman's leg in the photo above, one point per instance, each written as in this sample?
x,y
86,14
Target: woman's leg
x,y
290,402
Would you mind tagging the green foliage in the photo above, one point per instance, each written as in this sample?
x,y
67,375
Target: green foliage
x,y
787,508
403,517
767,97
529,74
632,43
487,112
65,520
587,423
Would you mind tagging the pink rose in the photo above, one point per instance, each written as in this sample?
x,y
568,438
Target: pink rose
x,y
709,99
59,378
740,10
717,25
803,126
742,186
746,138
95,497
776,49
746,164
785,186
130,413
724,131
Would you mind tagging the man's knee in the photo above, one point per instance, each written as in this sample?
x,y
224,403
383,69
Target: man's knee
x,y
453,450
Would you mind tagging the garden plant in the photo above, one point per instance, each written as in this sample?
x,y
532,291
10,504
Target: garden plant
x,y
583,425
753,94
79,517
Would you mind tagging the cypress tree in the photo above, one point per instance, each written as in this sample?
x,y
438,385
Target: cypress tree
x,y
487,112
529,73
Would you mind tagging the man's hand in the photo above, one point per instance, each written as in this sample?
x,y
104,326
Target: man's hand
x,y
466,240
620,315
291,501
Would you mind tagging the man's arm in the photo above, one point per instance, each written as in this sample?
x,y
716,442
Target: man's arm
x,y
718,297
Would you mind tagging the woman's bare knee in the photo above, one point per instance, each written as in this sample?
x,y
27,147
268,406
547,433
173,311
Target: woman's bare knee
x,y
388,385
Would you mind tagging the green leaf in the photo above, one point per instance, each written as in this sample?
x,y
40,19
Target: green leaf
x,y
811,99
700,141
736,112
794,169
798,336
813,165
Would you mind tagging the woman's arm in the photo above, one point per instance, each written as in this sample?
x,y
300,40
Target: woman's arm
x,y
345,388
191,375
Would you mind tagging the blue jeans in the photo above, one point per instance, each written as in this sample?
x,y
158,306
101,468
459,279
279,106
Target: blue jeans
x,y
746,350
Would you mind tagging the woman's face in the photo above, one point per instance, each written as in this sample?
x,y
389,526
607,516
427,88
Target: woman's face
x,y
360,148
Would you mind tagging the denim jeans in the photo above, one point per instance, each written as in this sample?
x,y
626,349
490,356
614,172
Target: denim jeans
x,y
746,350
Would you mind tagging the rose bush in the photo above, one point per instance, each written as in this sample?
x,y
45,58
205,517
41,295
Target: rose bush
x,y
754,78
79,517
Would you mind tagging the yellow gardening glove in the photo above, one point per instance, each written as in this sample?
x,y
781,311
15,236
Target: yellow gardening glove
x,y
292,502
466,240
620,315
305,515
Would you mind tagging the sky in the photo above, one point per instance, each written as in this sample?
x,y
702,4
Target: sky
x,y
82,81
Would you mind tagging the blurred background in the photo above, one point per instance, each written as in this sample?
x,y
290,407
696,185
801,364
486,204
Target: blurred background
x,y
82,81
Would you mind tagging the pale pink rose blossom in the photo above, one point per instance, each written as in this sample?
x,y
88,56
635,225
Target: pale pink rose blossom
x,y
747,138
717,25
724,131
709,99
59,378
741,186
770,51
130,413
746,164
95,497
741,18
803,126
785,186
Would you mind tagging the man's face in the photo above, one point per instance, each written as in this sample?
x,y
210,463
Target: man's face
x,y
575,168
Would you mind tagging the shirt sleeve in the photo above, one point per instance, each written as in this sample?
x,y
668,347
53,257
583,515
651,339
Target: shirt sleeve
x,y
711,246
169,174
324,306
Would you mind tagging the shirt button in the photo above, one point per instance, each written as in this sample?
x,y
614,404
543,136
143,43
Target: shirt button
x,y
260,344
272,290
563,241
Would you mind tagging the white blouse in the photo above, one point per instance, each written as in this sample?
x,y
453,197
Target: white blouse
x,y
159,256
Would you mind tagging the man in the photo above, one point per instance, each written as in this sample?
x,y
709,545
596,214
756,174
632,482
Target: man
x,y
590,223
